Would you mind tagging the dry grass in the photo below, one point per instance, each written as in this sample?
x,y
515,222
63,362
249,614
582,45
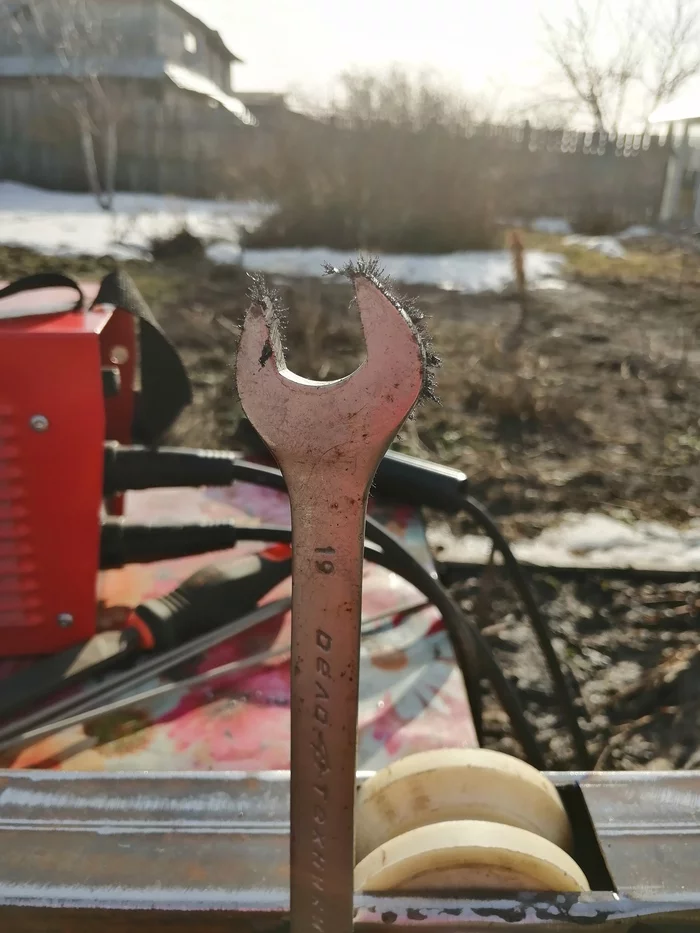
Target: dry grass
x,y
519,389
597,402
657,261
515,392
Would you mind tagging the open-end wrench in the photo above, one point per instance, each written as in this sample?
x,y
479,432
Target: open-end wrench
x,y
328,438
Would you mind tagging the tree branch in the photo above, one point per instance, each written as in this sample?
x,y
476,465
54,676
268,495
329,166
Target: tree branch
x,y
610,53
74,33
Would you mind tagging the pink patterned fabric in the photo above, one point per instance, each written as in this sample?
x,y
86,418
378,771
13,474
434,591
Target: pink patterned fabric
x,y
411,693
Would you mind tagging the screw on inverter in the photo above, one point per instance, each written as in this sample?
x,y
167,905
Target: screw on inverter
x,y
39,423
64,619
119,355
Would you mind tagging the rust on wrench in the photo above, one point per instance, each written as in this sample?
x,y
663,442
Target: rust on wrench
x,y
328,438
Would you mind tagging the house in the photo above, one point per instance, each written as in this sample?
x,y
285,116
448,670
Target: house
x,y
681,117
146,72
273,111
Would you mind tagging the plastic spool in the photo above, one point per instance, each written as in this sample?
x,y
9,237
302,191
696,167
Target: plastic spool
x,y
468,855
463,818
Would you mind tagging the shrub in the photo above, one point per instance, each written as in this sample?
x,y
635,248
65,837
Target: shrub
x,y
179,245
393,166
598,220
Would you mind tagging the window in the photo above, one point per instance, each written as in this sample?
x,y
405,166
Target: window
x,y
190,43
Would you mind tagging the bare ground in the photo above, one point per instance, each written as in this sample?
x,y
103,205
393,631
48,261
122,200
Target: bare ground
x,y
597,408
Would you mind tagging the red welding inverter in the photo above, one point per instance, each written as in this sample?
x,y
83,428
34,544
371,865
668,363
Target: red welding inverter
x,y
69,369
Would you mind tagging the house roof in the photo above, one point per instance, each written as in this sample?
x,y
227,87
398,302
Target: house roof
x,y
262,98
146,69
684,107
192,81
272,109
183,8
12,7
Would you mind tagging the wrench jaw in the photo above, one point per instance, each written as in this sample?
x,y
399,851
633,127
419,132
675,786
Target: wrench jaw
x,y
385,324
396,361
259,366
360,413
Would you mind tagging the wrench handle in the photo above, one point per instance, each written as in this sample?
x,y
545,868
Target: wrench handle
x,y
327,549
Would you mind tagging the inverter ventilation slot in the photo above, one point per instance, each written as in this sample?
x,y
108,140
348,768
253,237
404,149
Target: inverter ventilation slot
x,y
20,602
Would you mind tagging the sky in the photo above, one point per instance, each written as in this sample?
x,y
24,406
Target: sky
x,y
485,46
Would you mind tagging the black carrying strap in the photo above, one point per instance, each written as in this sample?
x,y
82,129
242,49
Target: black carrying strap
x,y
165,386
40,280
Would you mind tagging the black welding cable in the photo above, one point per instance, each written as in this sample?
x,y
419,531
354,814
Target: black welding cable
x,y
124,543
456,571
443,490
467,651
455,623
437,486
440,487
469,646
539,625
472,651
465,638
125,680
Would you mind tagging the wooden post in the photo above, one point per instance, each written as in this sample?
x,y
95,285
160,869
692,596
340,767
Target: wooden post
x,y
678,159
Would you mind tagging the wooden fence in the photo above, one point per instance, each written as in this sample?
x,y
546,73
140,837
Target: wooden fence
x,y
580,176
584,177
61,169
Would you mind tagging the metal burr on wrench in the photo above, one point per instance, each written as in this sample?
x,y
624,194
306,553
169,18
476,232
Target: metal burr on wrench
x,y
328,438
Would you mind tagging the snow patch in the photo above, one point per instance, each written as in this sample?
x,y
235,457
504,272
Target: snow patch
x,y
636,233
556,226
559,226
609,246
468,272
591,540
60,224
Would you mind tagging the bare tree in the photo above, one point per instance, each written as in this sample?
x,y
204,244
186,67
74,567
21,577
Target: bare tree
x,y
80,42
674,37
541,112
629,56
390,166
399,98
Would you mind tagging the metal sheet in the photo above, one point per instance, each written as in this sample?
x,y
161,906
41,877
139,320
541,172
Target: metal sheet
x,y
648,826
213,845
175,841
